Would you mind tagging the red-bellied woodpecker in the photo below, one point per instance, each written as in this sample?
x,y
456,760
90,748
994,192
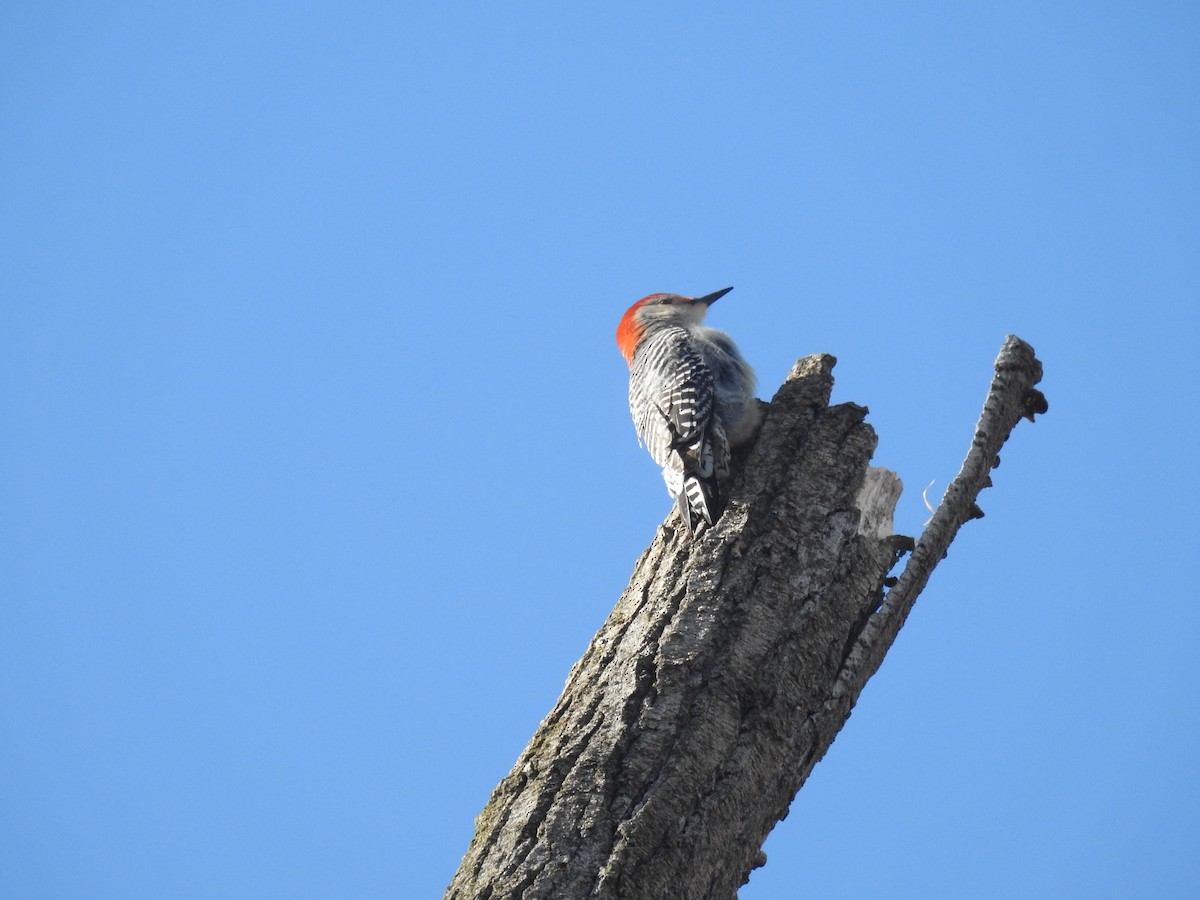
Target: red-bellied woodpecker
x,y
691,395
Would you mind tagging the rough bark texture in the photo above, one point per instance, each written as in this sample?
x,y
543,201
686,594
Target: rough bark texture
x,y
729,664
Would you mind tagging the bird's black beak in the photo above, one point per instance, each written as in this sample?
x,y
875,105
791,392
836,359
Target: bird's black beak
x,y
710,299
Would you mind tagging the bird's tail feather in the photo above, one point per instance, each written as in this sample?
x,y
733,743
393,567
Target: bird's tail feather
x,y
699,499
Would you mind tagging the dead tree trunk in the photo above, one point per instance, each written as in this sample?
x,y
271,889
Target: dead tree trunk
x,y
729,664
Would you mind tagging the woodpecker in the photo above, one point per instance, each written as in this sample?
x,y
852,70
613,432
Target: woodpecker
x,y
691,395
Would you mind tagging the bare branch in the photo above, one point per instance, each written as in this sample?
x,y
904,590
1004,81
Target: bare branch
x,y
1011,397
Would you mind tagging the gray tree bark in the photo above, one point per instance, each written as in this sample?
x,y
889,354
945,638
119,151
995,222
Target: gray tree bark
x,y
729,664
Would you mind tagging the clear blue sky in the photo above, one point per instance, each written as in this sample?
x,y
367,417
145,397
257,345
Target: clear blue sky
x,y
317,470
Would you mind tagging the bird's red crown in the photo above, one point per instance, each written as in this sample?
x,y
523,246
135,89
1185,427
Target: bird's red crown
x,y
629,331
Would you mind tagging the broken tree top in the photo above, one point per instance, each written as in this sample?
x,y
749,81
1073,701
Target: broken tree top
x,y
730,662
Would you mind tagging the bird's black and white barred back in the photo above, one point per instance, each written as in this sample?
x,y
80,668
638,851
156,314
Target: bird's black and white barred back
x,y
671,397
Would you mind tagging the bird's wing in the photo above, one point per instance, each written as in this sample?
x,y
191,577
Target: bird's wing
x,y
670,394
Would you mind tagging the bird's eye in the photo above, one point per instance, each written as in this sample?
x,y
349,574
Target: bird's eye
x,y
665,301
